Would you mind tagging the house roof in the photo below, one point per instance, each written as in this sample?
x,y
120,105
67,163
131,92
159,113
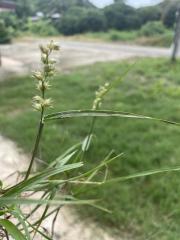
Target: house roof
x,y
7,5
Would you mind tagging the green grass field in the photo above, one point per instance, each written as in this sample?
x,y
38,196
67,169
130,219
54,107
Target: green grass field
x,y
148,207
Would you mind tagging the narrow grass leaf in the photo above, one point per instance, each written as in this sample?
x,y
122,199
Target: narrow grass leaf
x,y
24,201
86,143
27,184
12,229
103,113
144,174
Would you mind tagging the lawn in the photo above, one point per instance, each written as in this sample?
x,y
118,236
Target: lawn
x,y
148,207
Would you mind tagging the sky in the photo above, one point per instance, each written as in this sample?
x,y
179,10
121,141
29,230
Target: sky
x,y
135,3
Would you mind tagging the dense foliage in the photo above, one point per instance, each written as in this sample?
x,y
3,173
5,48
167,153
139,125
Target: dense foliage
x,y
42,28
4,33
79,16
152,28
78,20
170,13
120,16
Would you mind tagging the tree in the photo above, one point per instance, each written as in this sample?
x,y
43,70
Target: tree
x,y
24,8
79,20
60,6
10,20
146,14
170,13
93,20
121,16
69,24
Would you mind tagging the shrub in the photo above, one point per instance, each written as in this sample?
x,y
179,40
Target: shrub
x,y
152,28
43,28
10,20
4,33
115,35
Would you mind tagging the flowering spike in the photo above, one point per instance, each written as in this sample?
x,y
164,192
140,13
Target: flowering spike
x,y
99,95
48,70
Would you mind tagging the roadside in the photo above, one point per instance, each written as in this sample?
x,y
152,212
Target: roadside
x,y
23,57
128,37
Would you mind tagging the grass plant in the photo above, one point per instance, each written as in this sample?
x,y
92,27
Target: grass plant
x,y
83,171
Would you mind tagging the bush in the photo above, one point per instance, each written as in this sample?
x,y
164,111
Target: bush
x,y
4,33
115,35
79,20
10,20
43,28
152,28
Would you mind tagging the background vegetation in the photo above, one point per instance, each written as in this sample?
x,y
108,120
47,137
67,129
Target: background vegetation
x,y
79,16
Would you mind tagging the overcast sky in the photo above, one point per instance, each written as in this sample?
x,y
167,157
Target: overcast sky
x,y
135,3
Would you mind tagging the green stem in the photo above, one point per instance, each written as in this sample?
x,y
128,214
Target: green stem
x,y
36,146
6,233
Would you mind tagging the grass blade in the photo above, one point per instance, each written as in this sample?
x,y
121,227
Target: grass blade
x,y
103,113
27,184
28,201
12,229
144,174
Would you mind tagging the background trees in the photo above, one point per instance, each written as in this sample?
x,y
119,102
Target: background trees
x,y
169,13
120,16
79,16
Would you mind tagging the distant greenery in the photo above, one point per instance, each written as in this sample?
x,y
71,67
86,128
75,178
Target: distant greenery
x,y
121,17
151,13
79,20
144,208
4,33
152,28
170,8
41,28
80,16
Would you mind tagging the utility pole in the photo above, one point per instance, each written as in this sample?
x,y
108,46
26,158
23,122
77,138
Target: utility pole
x,y
0,60
176,44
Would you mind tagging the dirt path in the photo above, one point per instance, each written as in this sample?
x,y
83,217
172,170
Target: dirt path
x,y
23,57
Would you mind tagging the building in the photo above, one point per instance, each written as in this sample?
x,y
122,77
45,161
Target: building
x,y
56,16
7,6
